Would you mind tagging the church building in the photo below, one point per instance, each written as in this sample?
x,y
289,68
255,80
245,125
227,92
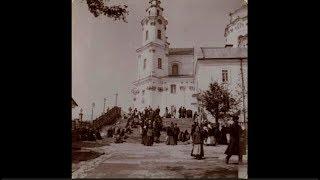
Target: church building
x,y
172,77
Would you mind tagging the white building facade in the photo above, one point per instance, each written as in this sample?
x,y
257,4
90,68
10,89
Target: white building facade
x,y
170,77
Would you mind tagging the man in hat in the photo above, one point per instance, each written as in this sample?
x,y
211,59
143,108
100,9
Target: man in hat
x,y
233,147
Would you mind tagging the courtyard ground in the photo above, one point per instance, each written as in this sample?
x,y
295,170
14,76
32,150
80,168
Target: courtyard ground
x,y
105,159
133,160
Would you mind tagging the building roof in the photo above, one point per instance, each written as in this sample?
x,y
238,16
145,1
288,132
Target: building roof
x,y
74,104
181,51
222,53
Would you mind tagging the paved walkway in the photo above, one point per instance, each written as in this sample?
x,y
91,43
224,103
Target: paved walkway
x,y
133,160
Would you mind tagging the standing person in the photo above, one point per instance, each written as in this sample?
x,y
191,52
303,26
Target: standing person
x,y
180,111
223,138
150,136
170,134
233,147
195,115
171,111
205,134
193,128
174,112
211,141
217,133
158,128
184,112
166,113
176,131
186,136
144,135
197,147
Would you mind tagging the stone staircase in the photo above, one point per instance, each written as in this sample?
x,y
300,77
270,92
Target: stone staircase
x,y
135,136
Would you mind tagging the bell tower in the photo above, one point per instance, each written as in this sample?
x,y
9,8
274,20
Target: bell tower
x,y
152,59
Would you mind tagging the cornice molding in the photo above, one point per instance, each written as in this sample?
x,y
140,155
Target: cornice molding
x,y
149,45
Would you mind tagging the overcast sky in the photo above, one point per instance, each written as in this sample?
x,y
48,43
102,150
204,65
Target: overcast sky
x,y
104,60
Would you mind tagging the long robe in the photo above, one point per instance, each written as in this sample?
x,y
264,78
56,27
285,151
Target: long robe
x,y
211,139
144,136
170,134
197,145
150,137
176,131
223,137
233,147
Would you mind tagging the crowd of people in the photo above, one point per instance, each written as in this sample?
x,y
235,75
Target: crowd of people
x,y
211,135
85,132
150,125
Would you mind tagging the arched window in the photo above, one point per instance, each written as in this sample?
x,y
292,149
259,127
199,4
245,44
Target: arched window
x,y
144,63
147,35
159,34
173,88
159,63
175,70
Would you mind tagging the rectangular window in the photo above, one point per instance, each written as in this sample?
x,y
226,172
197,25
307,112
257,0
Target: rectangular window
x,y
173,88
159,63
159,34
147,35
144,63
224,75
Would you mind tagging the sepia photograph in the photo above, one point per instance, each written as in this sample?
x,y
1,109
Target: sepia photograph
x,y
159,89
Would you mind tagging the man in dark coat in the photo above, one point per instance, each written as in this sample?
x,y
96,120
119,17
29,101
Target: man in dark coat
x,y
144,134
233,147
170,134
180,111
223,139
184,112
181,136
217,133
176,131
186,136
193,127
150,135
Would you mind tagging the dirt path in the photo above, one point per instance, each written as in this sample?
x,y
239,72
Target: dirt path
x,y
133,160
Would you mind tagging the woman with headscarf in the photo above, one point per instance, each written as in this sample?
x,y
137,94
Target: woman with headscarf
x,y
197,147
170,134
211,140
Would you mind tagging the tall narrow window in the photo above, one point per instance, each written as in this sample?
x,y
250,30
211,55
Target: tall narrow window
x,y
159,63
147,35
173,88
224,75
144,63
159,34
175,70
158,13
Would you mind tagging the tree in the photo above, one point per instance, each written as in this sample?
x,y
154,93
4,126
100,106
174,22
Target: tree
x,y
217,101
99,7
